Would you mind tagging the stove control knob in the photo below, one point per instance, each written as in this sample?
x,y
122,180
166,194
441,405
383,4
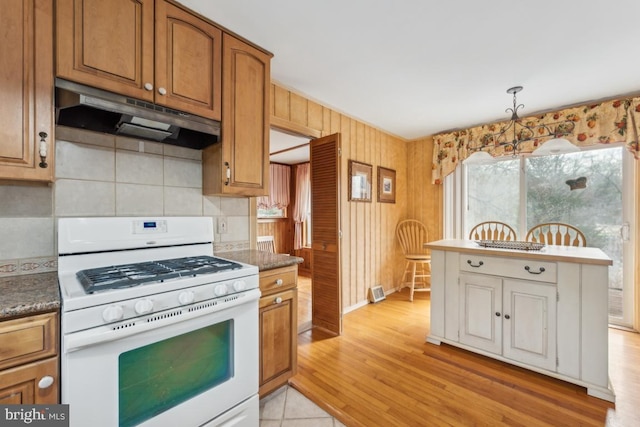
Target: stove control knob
x,y
239,285
143,306
186,297
112,313
220,290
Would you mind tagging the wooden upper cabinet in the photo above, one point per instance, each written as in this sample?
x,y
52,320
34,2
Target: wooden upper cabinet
x,y
145,49
240,165
26,84
188,62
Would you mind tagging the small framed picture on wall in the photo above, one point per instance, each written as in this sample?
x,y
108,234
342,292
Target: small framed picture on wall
x,y
360,181
386,185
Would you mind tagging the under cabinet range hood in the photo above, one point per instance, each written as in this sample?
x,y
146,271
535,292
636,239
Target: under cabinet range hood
x,y
85,107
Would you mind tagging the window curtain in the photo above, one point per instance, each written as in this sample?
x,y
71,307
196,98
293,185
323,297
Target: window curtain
x,y
278,187
602,123
303,187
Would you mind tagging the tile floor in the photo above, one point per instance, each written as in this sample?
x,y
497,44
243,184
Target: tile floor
x,y
287,407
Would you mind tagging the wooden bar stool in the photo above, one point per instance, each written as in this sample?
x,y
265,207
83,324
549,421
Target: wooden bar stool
x,y
411,236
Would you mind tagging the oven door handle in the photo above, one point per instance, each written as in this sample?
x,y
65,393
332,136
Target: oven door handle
x,y
79,340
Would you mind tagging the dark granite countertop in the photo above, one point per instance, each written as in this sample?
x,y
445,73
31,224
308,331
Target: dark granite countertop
x,y
264,260
29,294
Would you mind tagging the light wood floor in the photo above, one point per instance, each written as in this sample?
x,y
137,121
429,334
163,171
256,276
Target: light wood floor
x,y
304,303
381,372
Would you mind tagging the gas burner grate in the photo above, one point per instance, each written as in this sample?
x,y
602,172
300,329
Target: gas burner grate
x,y
128,275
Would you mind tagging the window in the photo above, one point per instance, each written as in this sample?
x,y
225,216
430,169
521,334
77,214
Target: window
x,y
586,189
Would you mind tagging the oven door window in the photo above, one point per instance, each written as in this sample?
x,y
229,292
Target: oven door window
x,y
154,378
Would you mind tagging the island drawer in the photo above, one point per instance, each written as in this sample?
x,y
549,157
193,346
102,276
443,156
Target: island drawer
x,y
538,271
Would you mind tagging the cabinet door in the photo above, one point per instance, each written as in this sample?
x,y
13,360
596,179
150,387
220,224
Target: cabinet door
x,y
481,312
245,127
188,62
26,82
107,44
278,339
530,323
22,385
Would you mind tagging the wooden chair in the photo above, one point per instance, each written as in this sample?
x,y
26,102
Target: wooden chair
x,y
411,235
556,233
266,243
492,230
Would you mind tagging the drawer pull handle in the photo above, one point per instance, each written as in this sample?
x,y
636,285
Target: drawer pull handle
x,y
480,264
278,300
542,270
506,316
279,282
45,381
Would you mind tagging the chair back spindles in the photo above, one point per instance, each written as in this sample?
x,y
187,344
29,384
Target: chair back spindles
x,y
492,230
556,233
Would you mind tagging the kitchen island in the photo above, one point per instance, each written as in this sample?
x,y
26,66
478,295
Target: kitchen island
x,y
544,310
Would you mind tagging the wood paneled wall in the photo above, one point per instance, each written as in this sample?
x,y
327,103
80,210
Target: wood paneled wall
x,y
424,199
369,253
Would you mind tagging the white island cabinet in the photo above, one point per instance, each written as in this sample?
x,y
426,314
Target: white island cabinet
x,y
544,310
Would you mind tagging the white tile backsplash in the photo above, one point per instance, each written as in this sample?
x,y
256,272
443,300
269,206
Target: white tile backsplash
x,y
26,237
182,201
234,206
211,206
139,168
82,161
84,198
105,175
136,200
134,144
182,173
26,200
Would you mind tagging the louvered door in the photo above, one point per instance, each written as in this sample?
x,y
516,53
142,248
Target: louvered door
x,y
325,228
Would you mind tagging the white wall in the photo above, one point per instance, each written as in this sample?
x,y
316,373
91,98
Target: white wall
x,y
106,175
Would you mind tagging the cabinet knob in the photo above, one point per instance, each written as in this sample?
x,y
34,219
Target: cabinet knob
x,y
42,150
278,300
279,282
45,381
162,91
148,86
506,316
497,314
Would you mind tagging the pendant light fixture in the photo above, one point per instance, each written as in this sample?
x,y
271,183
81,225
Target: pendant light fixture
x,y
515,133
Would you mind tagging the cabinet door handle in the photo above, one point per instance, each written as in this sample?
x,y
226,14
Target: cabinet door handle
x,y
228,173
540,271
480,264
278,300
279,282
497,314
42,150
148,86
162,91
45,381
506,316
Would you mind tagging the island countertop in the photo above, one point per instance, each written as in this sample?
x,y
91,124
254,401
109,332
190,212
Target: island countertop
x,y
264,260
583,255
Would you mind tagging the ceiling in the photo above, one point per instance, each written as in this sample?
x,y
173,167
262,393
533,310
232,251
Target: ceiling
x,y
414,68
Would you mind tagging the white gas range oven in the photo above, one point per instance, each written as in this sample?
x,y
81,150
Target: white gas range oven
x,y
155,330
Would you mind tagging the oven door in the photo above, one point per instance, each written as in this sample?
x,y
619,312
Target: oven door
x,y
186,373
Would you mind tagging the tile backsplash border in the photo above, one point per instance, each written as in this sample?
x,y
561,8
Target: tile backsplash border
x,y
18,267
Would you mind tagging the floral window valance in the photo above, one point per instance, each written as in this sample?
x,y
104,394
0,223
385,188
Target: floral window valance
x,y
602,123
